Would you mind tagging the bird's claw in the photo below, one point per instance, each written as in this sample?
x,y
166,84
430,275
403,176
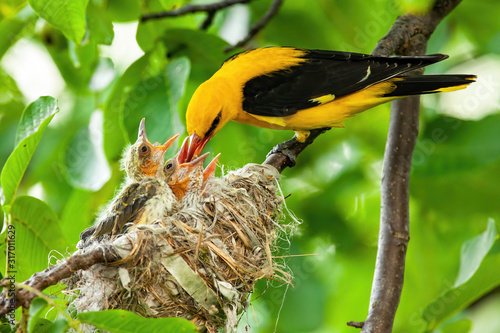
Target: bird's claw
x,y
284,148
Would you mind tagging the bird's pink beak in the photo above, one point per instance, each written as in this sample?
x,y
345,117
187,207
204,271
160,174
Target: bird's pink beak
x,y
197,145
210,169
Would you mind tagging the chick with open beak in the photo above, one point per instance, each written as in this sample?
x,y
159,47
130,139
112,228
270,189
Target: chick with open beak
x,y
187,178
144,198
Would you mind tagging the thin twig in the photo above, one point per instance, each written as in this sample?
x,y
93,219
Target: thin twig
x,y
208,20
195,8
355,324
273,10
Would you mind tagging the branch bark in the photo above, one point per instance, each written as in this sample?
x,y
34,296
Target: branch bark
x,y
52,276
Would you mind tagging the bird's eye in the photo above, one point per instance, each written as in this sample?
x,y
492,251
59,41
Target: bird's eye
x,y
169,166
214,124
143,150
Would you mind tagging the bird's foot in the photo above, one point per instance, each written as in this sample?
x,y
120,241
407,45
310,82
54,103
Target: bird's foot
x,y
284,148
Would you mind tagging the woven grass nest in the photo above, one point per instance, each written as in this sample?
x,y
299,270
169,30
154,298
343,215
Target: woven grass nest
x,y
200,263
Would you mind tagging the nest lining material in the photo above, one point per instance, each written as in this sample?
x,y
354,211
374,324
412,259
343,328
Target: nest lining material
x,y
200,263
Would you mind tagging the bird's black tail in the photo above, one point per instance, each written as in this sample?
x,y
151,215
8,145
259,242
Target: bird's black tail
x,y
429,84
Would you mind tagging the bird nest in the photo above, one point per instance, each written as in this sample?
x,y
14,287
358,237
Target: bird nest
x,y
200,263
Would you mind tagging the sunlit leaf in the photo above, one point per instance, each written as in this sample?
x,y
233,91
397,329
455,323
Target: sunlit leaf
x,y
34,116
160,105
34,121
115,136
36,309
37,233
474,251
11,28
458,298
58,326
86,164
66,15
120,321
76,215
99,25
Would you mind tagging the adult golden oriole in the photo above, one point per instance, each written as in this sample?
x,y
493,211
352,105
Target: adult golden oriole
x,y
300,90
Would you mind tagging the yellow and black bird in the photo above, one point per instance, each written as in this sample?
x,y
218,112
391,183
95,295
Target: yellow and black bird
x,y
144,197
297,89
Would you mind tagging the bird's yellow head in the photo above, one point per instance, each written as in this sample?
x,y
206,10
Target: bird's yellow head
x,y
207,112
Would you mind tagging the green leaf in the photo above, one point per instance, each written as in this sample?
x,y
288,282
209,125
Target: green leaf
x,y
18,161
35,310
458,298
76,215
115,136
473,252
200,47
34,115
99,25
86,164
41,325
149,32
159,106
121,321
451,145
124,10
146,89
37,233
58,326
11,28
66,15
461,326
5,328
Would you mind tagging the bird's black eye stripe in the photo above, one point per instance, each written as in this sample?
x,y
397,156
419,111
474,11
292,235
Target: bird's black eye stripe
x,y
214,124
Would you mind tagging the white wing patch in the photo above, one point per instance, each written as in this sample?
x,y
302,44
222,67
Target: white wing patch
x,y
368,72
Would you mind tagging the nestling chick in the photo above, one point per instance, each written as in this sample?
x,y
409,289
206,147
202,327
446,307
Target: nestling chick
x,y
145,197
186,178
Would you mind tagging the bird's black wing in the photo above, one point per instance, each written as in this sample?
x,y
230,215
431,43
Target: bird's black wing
x,y
284,92
124,208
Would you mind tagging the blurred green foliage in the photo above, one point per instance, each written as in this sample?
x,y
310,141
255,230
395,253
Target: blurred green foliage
x,y
74,171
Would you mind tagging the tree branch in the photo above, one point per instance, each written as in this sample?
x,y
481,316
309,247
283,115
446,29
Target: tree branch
x,y
273,10
189,9
52,276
